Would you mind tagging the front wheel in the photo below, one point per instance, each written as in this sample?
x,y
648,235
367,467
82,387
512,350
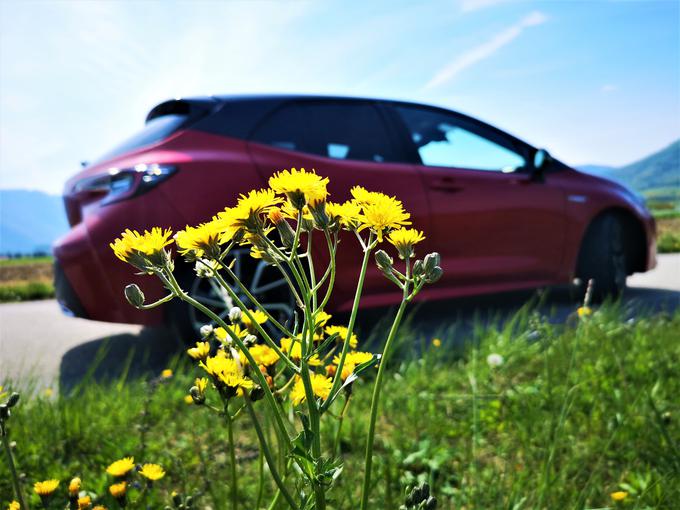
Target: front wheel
x,y
265,283
603,258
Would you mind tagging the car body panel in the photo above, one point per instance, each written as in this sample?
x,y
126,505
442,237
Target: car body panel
x,y
495,231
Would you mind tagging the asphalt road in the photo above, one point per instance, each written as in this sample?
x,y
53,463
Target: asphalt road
x,y
38,342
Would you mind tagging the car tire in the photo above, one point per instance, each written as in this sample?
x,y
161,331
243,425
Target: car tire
x,y
603,258
264,281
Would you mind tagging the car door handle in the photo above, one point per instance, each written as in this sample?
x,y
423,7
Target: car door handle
x,y
446,184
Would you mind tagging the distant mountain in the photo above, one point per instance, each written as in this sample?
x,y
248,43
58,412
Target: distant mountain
x,y
660,170
30,221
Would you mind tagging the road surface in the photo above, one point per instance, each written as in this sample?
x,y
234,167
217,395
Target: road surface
x,y
37,341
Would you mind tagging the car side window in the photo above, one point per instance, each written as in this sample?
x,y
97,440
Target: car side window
x,y
443,140
337,130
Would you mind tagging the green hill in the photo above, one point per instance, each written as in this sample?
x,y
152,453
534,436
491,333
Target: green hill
x,y
659,170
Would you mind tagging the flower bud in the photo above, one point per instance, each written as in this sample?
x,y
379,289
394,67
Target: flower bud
x,y
134,295
235,314
418,268
206,330
286,233
383,261
434,275
431,261
197,395
13,399
256,394
318,210
250,340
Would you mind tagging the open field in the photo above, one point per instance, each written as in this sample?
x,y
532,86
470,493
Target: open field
x,y
668,239
26,279
573,413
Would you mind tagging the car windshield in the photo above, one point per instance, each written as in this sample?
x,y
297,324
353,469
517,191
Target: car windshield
x,y
154,131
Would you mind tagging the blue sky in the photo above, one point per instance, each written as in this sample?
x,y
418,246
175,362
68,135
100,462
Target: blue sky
x,y
591,81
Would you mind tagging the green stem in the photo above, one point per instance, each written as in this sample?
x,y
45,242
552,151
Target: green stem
x,y
268,395
332,248
4,439
260,484
232,456
268,455
375,402
337,380
341,418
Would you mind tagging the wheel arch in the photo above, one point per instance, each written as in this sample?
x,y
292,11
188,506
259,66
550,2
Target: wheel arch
x,y
635,238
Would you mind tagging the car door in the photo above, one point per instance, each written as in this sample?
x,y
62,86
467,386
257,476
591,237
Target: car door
x,y
491,220
349,142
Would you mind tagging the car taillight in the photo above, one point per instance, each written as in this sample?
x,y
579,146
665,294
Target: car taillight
x,y
118,184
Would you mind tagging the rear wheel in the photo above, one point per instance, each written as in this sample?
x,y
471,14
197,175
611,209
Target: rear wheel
x,y
603,258
265,283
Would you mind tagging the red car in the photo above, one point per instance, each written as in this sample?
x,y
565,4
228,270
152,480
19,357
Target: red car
x,y
502,214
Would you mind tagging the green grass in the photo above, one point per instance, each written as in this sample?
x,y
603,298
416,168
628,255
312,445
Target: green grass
x,y
574,413
25,291
20,261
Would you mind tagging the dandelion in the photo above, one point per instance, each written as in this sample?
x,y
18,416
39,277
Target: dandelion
x,y
197,391
584,311
222,335
249,209
74,487
118,490
259,317
300,186
166,374
135,248
84,503
264,355
227,372
322,319
342,334
619,495
46,488
293,348
14,505
121,467
152,472
436,342
48,392
204,239
346,214
494,360
188,399
321,386
200,352
404,239
383,213
352,360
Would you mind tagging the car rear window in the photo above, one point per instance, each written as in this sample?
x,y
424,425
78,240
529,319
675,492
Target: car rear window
x,y
337,130
154,131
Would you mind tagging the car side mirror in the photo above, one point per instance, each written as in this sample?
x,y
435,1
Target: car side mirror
x,y
542,160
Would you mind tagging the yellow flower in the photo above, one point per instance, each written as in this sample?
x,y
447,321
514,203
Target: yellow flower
x,y
619,495
46,488
188,399
118,490
3,393
321,386
362,196
258,316
342,334
152,472
584,311
227,371
322,319
352,359
48,392
436,342
166,374
74,486
201,351
99,507
383,213
300,186
205,238
264,355
14,505
347,214
121,467
132,244
249,209
84,503
404,239
293,348
222,335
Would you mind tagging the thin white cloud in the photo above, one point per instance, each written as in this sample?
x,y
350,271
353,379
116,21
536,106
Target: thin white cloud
x,y
475,5
484,50
607,88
